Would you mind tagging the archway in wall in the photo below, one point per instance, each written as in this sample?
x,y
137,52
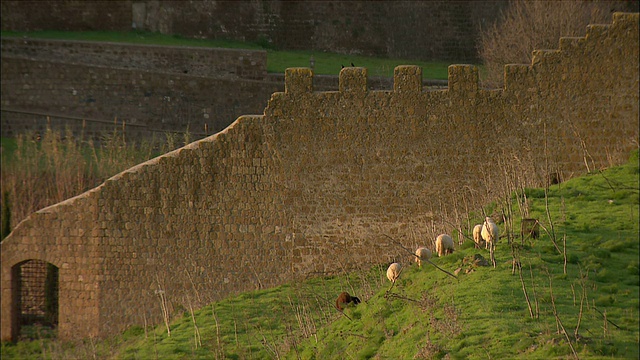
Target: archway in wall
x,y
35,299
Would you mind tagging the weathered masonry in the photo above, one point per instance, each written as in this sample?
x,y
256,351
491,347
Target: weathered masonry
x,y
314,183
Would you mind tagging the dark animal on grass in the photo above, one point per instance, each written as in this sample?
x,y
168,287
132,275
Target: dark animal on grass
x,y
344,299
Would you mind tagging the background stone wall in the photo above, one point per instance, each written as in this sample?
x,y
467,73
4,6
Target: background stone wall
x,y
88,86
424,30
69,15
198,61
317,182
428,30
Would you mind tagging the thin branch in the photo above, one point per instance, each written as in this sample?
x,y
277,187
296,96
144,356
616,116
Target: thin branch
x,y
524,289
391,295
552,237
459,230
559,322
609,321
553,232
443,270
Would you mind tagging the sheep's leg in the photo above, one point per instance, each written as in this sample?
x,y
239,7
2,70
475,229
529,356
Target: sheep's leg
x,y
391,287
492,252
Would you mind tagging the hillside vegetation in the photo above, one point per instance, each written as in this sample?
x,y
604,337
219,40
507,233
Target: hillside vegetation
x,y
572,293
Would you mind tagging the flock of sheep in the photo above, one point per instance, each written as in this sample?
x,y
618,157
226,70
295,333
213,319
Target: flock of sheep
x,y
485,235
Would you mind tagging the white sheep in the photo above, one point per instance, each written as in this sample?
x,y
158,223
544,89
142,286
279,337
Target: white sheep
x,y
490,234
477,235
422,254
393,272
444,244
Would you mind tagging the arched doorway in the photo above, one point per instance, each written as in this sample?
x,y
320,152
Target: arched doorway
x,y
35,299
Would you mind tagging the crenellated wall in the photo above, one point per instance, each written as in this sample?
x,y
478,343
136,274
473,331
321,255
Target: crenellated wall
x,y
316,182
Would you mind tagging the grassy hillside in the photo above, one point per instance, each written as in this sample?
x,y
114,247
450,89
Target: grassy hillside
x,y
484,312
589,311
277,61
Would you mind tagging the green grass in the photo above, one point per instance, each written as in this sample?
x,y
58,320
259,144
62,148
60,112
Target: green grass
x,y
277,61
428,314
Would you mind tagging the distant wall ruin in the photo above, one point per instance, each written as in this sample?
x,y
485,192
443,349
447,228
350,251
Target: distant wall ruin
x,y
153,90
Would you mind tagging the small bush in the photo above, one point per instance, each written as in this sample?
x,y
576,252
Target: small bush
x,y
133,331
573,259
592,262
604,349
610,289
534,193
618,245
603,275
633,280
601,253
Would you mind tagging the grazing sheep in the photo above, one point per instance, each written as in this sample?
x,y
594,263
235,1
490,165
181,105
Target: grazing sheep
x,y
444,245
344,299
422,254
477,235
393,272
490,234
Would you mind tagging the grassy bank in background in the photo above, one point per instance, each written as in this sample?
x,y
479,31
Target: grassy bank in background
x,y
571,293
277,61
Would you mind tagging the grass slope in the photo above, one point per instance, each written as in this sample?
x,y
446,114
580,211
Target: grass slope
x,y
428,314
484,314
277,61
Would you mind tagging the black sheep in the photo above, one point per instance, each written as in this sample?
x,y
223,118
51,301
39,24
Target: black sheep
x,y
344,298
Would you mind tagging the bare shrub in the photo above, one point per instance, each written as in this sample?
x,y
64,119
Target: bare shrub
x,y
45,170
428,351
529,25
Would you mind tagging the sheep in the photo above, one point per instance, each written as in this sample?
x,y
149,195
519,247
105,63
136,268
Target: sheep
x,y
444,244
422,254
344,299
477,235
393,272
490,234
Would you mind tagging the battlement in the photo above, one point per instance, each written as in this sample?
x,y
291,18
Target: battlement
x,y
406,79
465,78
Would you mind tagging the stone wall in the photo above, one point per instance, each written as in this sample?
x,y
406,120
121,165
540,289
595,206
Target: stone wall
x,y
424,30
69,15
442,30
318,180
86,87
89,86
197,61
